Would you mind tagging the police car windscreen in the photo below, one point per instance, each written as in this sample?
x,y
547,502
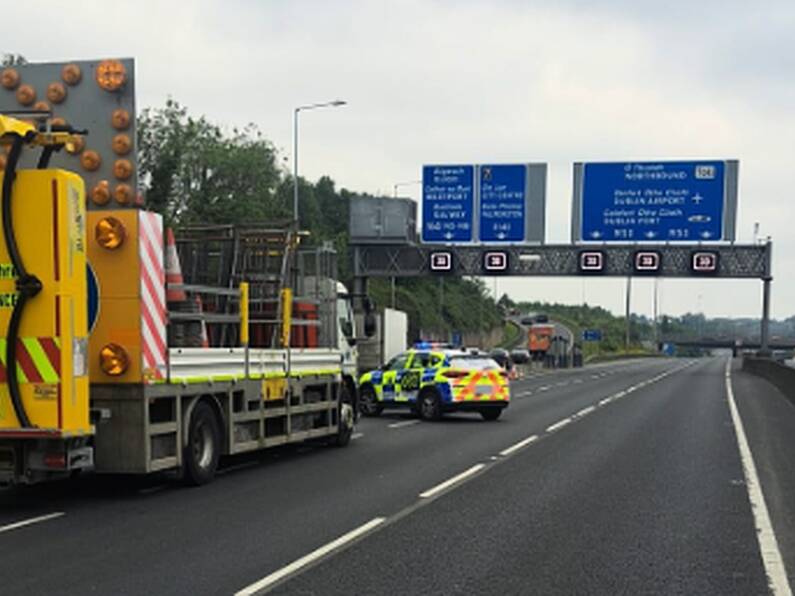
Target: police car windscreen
x,y
473,362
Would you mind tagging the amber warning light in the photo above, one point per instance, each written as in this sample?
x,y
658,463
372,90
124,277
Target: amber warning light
x,y
111,75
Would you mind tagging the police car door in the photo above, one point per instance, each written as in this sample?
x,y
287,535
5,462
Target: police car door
x,y
412,375
391,379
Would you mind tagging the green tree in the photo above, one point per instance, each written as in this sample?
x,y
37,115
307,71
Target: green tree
x,y
194,172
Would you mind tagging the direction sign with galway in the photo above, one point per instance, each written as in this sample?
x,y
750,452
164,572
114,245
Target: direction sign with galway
x,y
690,201
448,197
499,203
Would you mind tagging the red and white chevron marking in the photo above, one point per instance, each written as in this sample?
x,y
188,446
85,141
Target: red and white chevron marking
x,y
153,295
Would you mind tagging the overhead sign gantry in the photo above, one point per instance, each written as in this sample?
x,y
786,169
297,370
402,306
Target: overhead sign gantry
x,y
659,219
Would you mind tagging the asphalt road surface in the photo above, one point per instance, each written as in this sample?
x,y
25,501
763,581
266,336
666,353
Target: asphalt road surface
x,y
625,478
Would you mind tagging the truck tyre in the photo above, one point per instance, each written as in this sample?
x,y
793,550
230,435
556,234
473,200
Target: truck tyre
x,y
368,403
201,454
430,404
491,414
346,419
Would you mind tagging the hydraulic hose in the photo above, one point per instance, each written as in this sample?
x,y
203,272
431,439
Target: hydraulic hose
x,y
27,285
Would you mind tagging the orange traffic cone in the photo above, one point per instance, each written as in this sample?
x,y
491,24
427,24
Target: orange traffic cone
x,y
173,270
205,338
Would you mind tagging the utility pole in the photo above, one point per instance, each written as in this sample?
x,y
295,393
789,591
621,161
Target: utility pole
x,y
766,283
628,311
656,330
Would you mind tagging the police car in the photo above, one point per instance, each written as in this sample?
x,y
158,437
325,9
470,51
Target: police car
x,y
431,381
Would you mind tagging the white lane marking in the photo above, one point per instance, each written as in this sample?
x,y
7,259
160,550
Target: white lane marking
x,y
519,445
577,381
558,424
311,557
454,480
403,424
562,384
594,376
543,388
606,401
355,436
585,411
768,545
619,395
31,521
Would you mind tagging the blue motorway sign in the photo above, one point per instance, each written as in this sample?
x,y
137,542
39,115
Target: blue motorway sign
x,y
592,335
655,201
503,196
448,198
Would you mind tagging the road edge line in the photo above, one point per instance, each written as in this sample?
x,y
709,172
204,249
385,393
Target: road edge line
x,y
765,534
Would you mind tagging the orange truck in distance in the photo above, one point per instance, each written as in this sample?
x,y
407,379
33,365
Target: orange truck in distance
x,y
539,339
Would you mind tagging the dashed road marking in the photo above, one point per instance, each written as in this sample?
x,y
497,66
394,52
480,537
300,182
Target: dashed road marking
x,y
544,388
585,411
319,553
31,521
519,445
558,424
605,401
403,424
454,480
355,436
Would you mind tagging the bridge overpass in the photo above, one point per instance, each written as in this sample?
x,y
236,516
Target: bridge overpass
x,y
734,343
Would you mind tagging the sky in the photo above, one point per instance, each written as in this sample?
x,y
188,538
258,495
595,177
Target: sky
x,y
460,81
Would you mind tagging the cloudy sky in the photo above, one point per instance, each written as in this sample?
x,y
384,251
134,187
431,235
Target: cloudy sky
x,y
462,81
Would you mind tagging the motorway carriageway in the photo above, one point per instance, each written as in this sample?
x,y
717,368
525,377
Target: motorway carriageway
x,y
622,478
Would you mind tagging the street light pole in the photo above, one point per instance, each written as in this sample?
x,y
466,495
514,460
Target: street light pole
x,y
328,104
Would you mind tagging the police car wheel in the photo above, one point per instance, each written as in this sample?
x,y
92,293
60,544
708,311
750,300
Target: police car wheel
x,y
430,406
368,405
491,413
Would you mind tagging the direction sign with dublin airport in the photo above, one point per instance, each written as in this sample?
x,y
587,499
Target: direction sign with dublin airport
x,y
683,201
448,196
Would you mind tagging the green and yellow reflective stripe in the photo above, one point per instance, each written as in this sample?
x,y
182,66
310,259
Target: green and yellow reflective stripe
x,y
252,377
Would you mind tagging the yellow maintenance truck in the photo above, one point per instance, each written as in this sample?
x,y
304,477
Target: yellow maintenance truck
x,y
104,364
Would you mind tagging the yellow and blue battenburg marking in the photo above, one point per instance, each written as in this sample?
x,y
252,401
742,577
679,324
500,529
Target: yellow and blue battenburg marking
x,y
454,384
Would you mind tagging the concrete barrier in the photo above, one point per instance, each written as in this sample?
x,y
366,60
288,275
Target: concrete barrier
x,y
780,375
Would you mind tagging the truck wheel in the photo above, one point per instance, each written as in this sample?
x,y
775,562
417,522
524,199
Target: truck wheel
x,y
430,405
201,454
345,421
491,413
368,403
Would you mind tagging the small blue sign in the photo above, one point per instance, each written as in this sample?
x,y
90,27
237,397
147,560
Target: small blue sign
x,y
448,197
456,338
592,335
503,196
653,202
93,297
